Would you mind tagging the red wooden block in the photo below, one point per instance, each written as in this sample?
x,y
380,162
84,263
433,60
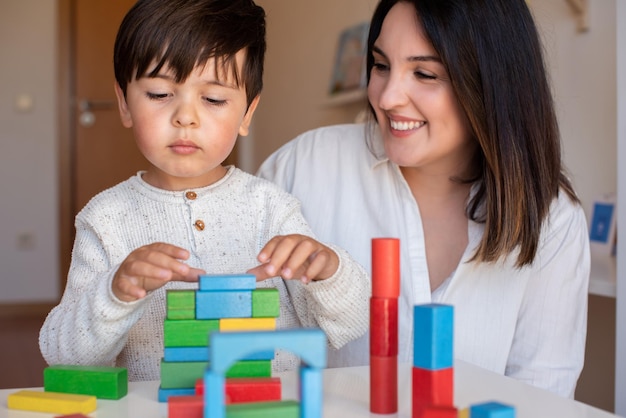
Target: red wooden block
x,y
246,389
437,412
386,267
383,385
383,327
191,406
432,388
72,416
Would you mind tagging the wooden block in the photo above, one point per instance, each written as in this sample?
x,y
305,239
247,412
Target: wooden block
x,y
51,402
492,410
72,416
265,303
433,336
383,385
247,324
224,304
310,344
437,412
176,375
311,398
188,332
432,388
190,406
386,267
464,413
99,381
274,409
181,304
384,327
250,368
248,389
178,354
164,394
220,282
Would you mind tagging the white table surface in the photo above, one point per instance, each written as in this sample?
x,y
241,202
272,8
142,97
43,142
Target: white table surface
x,y
346,395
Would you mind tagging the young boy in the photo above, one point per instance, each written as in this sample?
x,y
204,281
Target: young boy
x,y
189,75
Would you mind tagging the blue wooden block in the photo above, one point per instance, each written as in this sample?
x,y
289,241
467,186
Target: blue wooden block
x,y
215,282
309,344
492,410
180,354
228,347
224,304
177,354
433,335
214,394
311,403
166,393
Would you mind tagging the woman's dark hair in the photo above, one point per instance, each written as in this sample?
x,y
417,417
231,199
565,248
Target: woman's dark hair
x,y
493,55
185,34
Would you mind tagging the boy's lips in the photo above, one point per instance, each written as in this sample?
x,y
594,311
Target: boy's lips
x,y
184,147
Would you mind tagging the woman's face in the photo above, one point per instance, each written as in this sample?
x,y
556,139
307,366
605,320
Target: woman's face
x,y
420,118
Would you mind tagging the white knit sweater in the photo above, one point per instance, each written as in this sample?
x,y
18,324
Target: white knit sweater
x,y
91,326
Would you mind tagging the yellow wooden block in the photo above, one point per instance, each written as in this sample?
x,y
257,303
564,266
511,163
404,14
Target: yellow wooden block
x,y
52,402
464,413
247,324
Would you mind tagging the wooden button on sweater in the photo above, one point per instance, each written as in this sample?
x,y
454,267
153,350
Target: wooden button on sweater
x,y
199,225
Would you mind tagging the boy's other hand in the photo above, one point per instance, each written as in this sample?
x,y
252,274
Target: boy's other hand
x,y
295,257
149,268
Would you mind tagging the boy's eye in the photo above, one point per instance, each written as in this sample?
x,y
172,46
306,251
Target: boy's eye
x,y
215,102
156,96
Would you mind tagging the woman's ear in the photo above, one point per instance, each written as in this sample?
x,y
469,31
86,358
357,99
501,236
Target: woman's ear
x,y
244,129
127,120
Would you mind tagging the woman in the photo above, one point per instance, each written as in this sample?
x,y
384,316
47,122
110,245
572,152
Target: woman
x,y
463,164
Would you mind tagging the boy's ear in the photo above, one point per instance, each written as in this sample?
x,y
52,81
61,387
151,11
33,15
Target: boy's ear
x,y
127,120
244,129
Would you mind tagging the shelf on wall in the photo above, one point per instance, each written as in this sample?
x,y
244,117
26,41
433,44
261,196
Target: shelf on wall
x,y
347,97
581,10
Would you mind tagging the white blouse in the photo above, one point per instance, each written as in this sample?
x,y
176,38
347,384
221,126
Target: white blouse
x,y
527,323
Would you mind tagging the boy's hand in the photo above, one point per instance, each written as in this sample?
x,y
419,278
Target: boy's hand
x,y
295,257
150,267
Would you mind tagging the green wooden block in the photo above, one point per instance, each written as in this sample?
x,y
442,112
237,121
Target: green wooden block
x,y
178,375
250,368
188,332
99,381
181,304
265,303
274,409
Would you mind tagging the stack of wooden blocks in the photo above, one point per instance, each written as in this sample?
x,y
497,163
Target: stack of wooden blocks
x,y
221,303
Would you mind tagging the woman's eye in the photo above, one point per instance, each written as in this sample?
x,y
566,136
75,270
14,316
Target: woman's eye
x,y
156,96
380,67
426,76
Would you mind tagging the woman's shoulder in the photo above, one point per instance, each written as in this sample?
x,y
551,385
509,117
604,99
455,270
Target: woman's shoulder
x,y
328,138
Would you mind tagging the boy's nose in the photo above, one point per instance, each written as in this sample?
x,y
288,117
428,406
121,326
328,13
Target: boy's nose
x,y
185,115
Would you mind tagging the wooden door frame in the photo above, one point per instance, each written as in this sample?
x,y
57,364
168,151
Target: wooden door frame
x,y
66,135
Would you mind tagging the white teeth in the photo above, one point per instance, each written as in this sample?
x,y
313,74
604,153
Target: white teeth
x,y
405,126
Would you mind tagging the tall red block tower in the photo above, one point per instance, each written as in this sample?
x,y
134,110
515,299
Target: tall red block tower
x,y
384,325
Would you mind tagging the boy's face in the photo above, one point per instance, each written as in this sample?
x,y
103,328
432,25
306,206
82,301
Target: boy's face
x,y
186,130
